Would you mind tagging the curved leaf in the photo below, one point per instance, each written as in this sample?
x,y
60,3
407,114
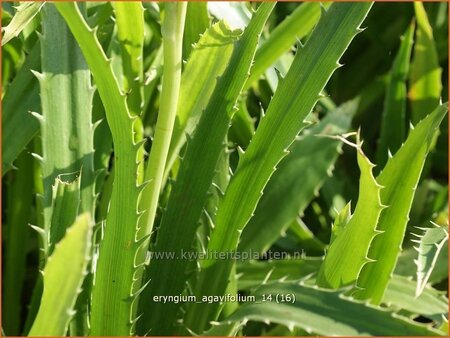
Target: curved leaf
x,y
399,179
347,254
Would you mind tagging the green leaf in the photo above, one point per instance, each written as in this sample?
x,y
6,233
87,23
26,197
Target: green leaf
x,y
20,200
347,254
295,27
189,193
197,22
430,246
399,178
130,27
58,298
400,294
26,11
425,84
65,204
298,177
408,268
213,51
21,97
114,283
393,123
276,131
340,221
66,99
323,312
252,274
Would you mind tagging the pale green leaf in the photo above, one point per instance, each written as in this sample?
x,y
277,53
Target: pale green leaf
x,y
323,312
62,281
348,252
213,51
430,245
26,11
425,84
399,179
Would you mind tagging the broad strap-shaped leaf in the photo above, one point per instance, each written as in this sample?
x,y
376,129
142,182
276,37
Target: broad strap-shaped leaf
x,y
213,51
347,253
393,123
66,122
307,76
26,11
62,281
322,312
298,177
112,311
430,245
399,179
195,176
401,294
21,97
67,133
408,268
425,83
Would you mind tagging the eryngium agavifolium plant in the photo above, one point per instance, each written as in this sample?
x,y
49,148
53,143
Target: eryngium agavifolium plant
x,y
224,168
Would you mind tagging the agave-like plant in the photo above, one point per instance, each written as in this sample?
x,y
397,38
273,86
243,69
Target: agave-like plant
x,y
187,169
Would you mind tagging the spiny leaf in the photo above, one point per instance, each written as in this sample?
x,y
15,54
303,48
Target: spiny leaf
x,y
26,11
114,283
197,22
130,27
407,267
341,220
298,177
430,246
295,27
400,294
67,133
277,130
58,298
213,51
65,204
252,273
399,179
21,97
189,193
348,251
323,312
